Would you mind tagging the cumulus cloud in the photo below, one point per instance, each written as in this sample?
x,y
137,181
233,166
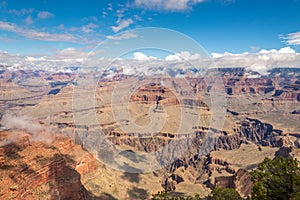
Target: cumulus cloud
x,y
37,35
287,50
168,5
44,15
59,61
260,62
121,24
142,56
184,55
292,38
175,64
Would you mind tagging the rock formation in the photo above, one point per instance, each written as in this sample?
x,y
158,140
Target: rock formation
x,y
263,111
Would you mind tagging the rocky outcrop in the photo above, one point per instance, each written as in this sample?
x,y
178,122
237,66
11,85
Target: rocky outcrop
x,y
249,130
243,183
229,142
243,85
288,141
284,152
26,173
260,133
240,181
214,164
151,93
224,182
171,182
157,94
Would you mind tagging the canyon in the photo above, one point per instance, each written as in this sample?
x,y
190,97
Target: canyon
x,y
78,136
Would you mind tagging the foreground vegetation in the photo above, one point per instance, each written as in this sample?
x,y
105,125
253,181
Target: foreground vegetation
x,y
277,179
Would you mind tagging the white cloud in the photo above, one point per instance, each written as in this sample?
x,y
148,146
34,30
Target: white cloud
x,y
37,35
64,57
70,53
184,55
89,28
175,65
287,50
168,5
31,127
8,26
142,56
280,51
138,18
44,15
21,123
121,24
59,61
110,8
261,61
122,36
254,49
104,14
292,38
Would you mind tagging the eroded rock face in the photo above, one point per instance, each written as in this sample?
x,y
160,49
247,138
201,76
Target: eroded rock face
x,y
240,181
224,182
281,83
248,130
229,142
243,183
43,172
242,85
158,94
288,141
258,132
213,164
171,182
285,152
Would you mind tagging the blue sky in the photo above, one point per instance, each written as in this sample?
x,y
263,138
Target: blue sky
x,y
33,27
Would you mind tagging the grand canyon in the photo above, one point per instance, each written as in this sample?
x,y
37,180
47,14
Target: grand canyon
x,y
71,135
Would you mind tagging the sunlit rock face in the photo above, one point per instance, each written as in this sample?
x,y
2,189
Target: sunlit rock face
x,y
33,170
